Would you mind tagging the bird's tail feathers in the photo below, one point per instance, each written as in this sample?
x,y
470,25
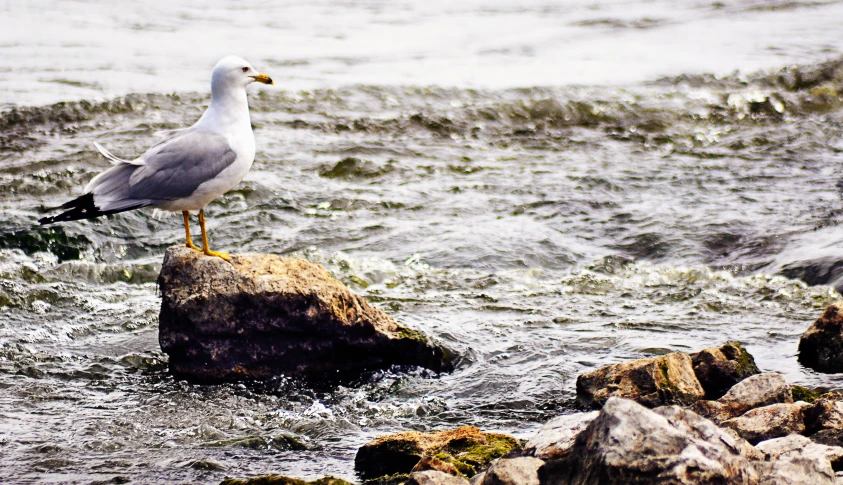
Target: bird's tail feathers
x,y
84,207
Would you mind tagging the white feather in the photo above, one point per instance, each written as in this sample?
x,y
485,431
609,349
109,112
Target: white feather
x,y
115,160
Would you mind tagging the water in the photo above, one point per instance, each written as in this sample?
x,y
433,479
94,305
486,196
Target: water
x,y
544,188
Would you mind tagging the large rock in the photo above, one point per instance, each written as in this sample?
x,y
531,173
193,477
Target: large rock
x,y
467,449
630,444
666,379
769,422
556,438
718,369
795,460
753,392
263,315
821,346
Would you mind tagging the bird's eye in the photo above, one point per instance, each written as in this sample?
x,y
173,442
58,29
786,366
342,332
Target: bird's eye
x,y
245,69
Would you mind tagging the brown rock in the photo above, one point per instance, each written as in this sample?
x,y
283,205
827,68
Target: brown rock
x,y
821,346
768,422
652,382
433,463
263,315
718,369
467,449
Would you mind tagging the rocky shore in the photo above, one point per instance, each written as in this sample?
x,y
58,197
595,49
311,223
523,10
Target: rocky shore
x,y
706,418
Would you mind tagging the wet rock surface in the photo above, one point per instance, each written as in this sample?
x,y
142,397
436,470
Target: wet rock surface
x,y
666,379
821,346
263,315
467,449
757,435
718,369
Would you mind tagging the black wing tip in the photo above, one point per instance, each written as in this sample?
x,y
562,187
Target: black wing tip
x,y
83,208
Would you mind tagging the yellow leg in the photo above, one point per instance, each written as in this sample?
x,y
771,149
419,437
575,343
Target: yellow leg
x,y
205,248
189,242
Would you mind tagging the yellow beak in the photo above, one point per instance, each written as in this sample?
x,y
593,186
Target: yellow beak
x,y
263,78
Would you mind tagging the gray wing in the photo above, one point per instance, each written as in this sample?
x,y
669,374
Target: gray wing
x,y
172,169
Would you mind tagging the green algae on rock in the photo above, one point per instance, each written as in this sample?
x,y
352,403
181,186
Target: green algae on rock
x,y
466,449
801,393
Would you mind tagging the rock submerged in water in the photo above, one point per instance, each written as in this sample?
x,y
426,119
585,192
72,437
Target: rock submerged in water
x,y
263,315
821,346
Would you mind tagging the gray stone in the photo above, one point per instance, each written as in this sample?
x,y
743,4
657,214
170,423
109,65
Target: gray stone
x,y
821,346
652,382
753,392
435,477
556,437
478,479
513,471
630,444
796,460
769,422
829,437
263,315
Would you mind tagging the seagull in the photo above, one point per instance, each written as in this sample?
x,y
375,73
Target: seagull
x,y
189,168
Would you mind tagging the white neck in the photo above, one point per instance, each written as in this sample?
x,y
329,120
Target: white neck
x,y
229,109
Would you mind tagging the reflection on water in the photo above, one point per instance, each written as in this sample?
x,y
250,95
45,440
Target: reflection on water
x,y
541,232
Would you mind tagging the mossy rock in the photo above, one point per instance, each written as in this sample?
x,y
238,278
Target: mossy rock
x,y
718,369
282,480
467,449
395,479
800,393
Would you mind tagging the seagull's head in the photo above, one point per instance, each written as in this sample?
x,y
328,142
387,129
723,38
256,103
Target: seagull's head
x,y
233,71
